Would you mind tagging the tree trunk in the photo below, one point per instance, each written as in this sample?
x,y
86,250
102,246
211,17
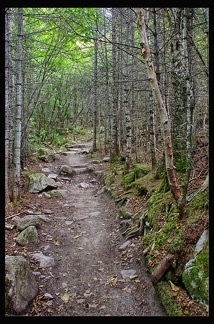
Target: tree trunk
x,y
108,121
165,122
8,97
134,114
95,97
179,85
152,133
115,145
126,102
19,104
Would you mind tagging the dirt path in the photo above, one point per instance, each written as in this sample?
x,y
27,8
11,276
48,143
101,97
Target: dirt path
x,y
94,275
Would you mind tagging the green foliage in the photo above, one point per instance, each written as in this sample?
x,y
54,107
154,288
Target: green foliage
x,y
80,130
109,179
181,164
41,151
33,158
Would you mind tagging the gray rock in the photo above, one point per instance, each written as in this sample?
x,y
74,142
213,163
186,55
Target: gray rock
x,y
44,260
127,273
124,245
53,176
46,170
66,169
38,182
21,285
28,235
46,195
59,193
106,159
29,220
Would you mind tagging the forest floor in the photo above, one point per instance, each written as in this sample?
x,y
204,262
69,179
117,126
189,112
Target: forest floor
x,y
94,274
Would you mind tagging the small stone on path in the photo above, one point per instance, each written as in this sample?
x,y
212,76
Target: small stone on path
x,y
127,273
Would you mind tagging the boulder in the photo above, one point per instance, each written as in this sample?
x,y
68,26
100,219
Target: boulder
x,y
28,235
196,271
21,285
38,182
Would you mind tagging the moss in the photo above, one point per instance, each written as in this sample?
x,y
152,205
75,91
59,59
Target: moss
x,y
41,151
177,241
44,151
141,188
109,179
33,158
169,302
141,170
124,214
158,204
164,185
195,276
128,179
29,172
199,202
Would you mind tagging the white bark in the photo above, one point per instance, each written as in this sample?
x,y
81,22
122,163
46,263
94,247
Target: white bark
x,y
19,104
170,169
8,97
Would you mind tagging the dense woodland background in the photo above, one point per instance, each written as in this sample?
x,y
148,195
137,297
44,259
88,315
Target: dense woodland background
x,y
138,75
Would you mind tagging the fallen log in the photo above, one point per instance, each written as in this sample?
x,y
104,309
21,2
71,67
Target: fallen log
x,y
162,267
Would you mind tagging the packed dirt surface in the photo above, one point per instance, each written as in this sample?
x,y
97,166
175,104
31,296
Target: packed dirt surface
x,y
94,274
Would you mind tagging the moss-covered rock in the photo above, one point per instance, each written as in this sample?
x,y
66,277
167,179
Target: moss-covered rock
x,y
195,275
44,151
140,170
38,181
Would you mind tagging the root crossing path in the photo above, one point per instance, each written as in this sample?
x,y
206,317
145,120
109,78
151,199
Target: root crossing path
x,y
96,272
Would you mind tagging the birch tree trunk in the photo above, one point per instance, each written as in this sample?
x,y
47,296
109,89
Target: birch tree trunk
x,y
8,97
95,97
126,93
108,121
134,114
152,132
188,95
19,104
115,145
164,119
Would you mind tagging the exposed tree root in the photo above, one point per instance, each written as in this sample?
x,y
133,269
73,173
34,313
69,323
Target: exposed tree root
x,y
135,229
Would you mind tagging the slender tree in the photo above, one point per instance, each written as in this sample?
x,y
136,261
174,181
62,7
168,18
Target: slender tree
x,y
115,145
95,95
19,105
8,100
166,127
126,100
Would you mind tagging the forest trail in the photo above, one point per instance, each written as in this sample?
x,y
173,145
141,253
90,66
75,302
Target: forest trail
x,y
93,275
